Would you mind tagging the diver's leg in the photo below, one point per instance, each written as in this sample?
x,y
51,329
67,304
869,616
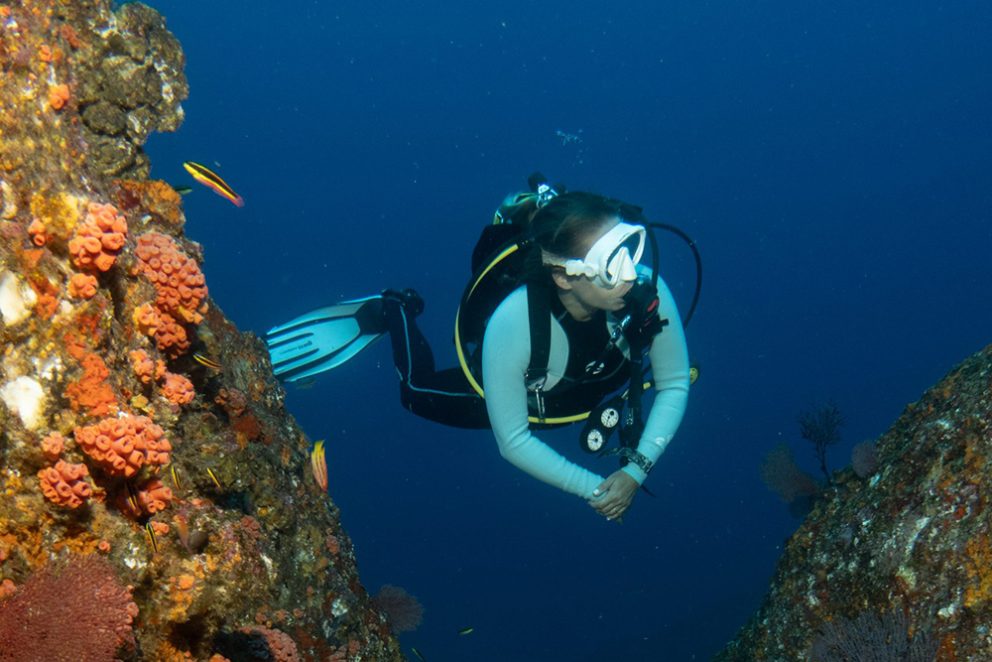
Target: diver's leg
x,y
412,354
444,396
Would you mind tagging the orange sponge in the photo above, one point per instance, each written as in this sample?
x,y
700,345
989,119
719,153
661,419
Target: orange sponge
x,y
92,392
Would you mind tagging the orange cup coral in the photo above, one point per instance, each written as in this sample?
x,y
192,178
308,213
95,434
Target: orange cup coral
x,y
177,278
52,446
37,232
58,96
154,497
122,446
147,319
177,389
147,369
63,484
82,286
179,286
98,238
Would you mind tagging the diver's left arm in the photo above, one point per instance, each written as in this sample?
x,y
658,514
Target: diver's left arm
x,y
670,371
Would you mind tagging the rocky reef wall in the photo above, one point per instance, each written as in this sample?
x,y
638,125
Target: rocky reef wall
x,y
896,565
156,500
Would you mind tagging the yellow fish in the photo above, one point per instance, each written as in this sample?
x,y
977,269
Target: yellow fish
x,y
132,497
318,464
212,180
213,477
175,476
205,361
151,537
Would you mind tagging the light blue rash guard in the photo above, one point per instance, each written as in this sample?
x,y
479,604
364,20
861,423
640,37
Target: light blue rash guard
x,y
505,356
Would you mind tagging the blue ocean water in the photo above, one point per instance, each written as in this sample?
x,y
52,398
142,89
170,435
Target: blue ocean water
x,y
832,160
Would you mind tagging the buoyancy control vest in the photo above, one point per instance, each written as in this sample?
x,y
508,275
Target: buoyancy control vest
x,y
497,267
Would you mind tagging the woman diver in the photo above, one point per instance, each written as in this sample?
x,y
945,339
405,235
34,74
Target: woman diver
x,y
579,314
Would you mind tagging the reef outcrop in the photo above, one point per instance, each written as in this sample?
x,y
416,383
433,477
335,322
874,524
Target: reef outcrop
x,y
898,564
143,440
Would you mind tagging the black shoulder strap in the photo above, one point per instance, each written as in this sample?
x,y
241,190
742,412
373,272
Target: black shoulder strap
x,y
539,315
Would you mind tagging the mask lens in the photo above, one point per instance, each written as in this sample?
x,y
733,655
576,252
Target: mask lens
x,y
623,259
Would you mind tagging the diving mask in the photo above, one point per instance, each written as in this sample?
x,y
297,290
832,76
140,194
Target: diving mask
x,y
611,260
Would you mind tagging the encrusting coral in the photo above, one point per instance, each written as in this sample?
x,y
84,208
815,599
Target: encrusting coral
x,y
123,461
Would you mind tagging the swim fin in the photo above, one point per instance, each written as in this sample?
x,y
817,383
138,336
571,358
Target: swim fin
x,y
324,338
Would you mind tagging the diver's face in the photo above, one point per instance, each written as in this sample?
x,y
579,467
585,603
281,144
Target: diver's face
x,y
584,293
593,296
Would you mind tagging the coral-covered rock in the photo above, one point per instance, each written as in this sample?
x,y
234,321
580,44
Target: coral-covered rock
x,y
238,536
904,552
146,319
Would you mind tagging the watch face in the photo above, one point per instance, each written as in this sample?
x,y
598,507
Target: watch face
x,y
594,440
610,417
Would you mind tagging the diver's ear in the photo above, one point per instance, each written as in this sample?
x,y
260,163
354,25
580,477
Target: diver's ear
x,y
561,279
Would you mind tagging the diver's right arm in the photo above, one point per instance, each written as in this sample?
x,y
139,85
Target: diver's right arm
x,y
505,355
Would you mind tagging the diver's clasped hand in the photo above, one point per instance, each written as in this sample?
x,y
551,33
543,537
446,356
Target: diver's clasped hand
x,y
614,495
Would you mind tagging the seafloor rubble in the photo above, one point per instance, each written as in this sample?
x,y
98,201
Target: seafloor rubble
x,y
898,564
156,500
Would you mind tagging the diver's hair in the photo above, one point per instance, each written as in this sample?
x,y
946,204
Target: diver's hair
x,y
563,228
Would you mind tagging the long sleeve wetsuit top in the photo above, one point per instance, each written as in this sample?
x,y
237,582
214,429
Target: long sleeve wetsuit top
x,y
505,357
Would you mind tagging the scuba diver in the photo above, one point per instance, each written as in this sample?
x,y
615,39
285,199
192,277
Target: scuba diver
x,y
552,329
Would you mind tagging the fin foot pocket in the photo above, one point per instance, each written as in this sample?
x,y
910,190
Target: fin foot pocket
x,y
411,301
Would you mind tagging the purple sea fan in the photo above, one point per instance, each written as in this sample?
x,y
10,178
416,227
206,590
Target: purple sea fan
x,y
864,459
403,611
872,636
783,476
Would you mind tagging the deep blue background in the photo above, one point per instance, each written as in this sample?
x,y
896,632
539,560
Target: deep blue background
x,y
832,160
